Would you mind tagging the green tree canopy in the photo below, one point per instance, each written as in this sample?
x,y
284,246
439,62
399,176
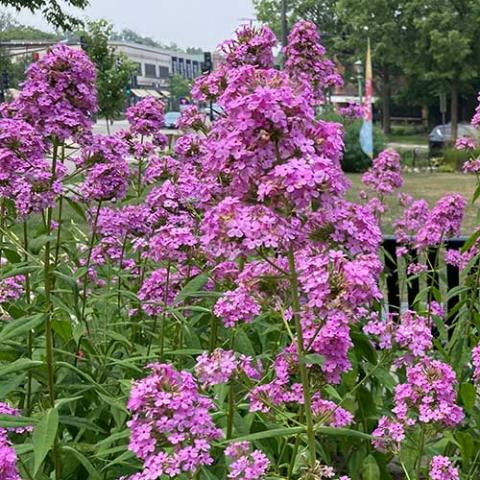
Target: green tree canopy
x,y
52,10
113,70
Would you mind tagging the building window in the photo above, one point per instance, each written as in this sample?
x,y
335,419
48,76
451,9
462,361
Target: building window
x,y
150,70
163,72
138,67
196,69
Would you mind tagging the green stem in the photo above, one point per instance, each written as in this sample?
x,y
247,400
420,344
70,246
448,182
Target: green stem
x,y
163,319
303,370
420,452
48,284
89,259
231,397
213,333
30,334
122,255
293,458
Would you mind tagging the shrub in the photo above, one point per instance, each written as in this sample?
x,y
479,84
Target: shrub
x,y
354,160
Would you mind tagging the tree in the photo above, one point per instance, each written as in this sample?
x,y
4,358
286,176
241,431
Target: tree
x,y
113,70
385,23
179,87
445,47
321,12
51,9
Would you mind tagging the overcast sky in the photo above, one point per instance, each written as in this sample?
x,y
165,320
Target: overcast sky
x,y
188,23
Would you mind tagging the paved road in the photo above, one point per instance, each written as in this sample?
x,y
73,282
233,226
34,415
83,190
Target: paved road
x,y
408,146
101,128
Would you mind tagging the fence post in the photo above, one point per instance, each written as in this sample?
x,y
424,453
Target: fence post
x,y
413,285
391,271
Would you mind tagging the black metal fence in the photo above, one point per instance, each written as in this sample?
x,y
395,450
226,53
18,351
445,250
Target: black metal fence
x,y
392,270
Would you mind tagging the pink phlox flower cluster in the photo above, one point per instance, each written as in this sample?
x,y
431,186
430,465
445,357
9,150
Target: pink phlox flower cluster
x,y
414,333
221,366
231,228
331,339
146,117
11,288
429,395
414,216
215,368
326,277
106,182
352,111
388,435
173,241
189,146
251,46
414,268
351,225
8,459
171,427
107,169
191,118
302,180
443,221
328,413
58,97
161,287
25,175
385,174
8,456
210,87
476,118
408,331
441,468
280,391
476,363
102,149
244,463
305,59
115,227
465,143
236,306
161,168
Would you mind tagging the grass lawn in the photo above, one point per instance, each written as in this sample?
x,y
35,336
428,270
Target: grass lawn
x,y
414,139
430,186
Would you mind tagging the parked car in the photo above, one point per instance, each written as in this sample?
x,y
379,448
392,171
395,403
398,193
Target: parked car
x,y
171,119
441,135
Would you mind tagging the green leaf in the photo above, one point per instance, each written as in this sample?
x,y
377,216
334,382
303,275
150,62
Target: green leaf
x,y
276,432
19,365
13,421
370,470
43,437
467,394
313,359
92,472
18,327
192,287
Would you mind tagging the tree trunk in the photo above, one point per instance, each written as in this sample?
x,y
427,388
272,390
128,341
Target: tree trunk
x,y
107,121
386,93
454,111
425,116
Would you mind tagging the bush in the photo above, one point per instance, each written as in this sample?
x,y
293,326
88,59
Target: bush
x,y
354,160
454,159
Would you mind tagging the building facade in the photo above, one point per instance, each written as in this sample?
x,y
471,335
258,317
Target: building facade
x,y
155,65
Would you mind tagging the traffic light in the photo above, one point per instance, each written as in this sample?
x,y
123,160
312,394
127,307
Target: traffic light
x,y
207,65
5,80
